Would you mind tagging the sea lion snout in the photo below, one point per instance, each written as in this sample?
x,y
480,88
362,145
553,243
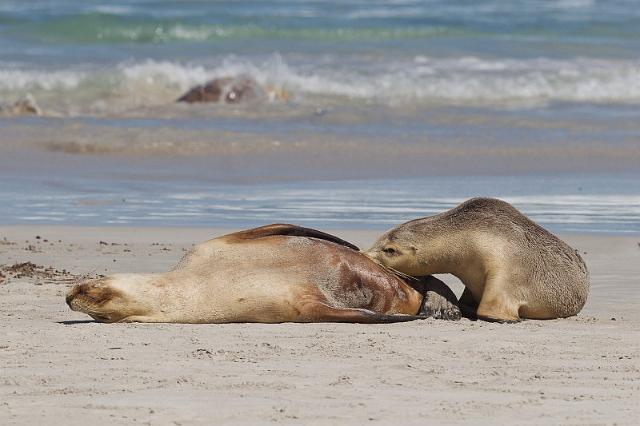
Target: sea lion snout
x,y
396,257
76,294
71,294
92,290
114,298
92,297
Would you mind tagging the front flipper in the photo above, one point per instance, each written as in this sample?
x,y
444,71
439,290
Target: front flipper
x,y
497,305
439,300
288,230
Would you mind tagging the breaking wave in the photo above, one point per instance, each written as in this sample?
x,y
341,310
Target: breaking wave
x,y
421,80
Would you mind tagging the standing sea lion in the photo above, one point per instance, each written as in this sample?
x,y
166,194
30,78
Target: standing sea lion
x,y
511,267
276,273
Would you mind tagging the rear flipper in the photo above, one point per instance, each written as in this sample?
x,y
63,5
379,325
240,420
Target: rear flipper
x,y
320,312
439,301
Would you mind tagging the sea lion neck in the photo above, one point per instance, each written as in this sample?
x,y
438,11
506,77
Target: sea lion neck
x,y
459,254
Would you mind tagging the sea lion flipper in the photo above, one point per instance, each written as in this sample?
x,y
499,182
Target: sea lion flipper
x,y
497,305
290,230
439,300
321,312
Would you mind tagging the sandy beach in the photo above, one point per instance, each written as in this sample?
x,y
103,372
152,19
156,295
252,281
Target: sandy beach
x,y
60,367
340,115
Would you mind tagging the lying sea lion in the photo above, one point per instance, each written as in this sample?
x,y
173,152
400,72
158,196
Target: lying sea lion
x,y
511,267
276,273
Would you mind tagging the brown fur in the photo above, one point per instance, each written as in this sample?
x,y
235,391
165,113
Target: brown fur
x,y
512,268
285,229
277,273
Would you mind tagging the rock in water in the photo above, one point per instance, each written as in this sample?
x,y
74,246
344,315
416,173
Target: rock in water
x,y
24,106
229,90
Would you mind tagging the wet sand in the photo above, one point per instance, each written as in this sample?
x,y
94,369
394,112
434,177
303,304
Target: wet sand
x,y
60,367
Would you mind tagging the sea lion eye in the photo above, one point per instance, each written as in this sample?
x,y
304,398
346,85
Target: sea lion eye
x,y
389,250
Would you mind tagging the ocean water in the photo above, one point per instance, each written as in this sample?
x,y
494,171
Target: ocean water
x,y
394,109
102,57
562,204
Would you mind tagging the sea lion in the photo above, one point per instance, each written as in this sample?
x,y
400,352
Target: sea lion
x,y
511,267
272,274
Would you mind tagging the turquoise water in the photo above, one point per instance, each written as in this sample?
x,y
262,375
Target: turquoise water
x,y
391,52
394,109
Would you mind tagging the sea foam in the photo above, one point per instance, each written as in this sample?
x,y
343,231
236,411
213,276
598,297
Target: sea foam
x,y
423,80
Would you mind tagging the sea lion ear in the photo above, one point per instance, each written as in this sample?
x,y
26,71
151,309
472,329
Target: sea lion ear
x,y
292,231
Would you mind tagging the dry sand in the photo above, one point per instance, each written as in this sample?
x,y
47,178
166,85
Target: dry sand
x,y
59,368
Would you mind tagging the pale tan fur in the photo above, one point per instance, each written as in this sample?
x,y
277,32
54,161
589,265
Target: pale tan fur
x,y
511,267
209,285
255,276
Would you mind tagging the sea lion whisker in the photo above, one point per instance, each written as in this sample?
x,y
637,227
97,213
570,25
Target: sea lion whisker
x,y
390,269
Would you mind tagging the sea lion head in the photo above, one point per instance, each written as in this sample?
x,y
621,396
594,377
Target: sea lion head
x,y
396,251
419,247
109,299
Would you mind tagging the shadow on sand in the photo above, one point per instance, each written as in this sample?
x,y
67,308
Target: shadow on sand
x,y
74,322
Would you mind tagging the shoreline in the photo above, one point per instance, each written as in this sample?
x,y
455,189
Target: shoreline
x,y
174,194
